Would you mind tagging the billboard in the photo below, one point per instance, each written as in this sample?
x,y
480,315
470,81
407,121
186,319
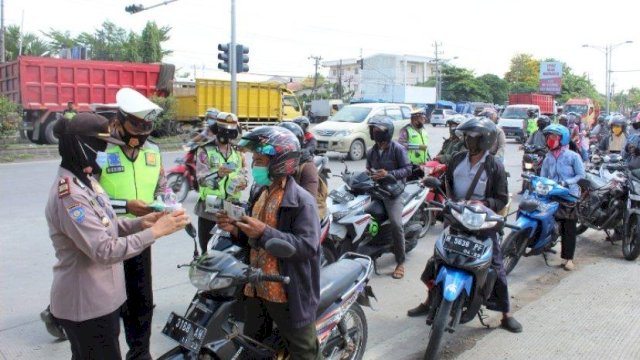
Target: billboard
x,y
550,77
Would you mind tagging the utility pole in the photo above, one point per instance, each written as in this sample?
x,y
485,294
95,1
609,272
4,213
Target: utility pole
x,y
20,35
438,77
2,45
315,74
232,61
339,89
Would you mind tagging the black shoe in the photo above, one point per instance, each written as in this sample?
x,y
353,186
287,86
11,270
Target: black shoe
x,y
53,328
511,324
419,310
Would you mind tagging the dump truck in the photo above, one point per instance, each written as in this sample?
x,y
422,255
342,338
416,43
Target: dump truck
x,y
43,86
259,103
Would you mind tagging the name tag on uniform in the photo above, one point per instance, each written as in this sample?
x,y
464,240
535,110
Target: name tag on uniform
x,y
150,159
115,169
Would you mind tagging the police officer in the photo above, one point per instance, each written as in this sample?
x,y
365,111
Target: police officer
x,y
219,170
530,124
90,242
415,139
133,177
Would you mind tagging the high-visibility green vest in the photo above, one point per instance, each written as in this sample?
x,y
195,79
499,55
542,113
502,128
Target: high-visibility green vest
x,y
414,137
532,125
124,179
216,160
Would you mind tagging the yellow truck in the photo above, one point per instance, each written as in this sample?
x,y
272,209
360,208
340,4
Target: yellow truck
x,y
259,103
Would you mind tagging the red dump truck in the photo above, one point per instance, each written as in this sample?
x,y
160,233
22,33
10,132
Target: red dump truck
x,y
545,102
43,87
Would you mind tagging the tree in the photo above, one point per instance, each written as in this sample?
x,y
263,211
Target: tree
x,y
59,40
498,88
523,73
459,84
151,42
31,44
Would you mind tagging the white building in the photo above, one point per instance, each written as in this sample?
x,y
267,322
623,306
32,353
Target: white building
x,y
385,76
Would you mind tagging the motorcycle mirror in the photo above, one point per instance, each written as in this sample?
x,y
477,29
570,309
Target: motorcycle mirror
x,y
432,182
280,248
191,230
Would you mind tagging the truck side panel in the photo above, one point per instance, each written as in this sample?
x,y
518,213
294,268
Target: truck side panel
x,y
256,101
544,101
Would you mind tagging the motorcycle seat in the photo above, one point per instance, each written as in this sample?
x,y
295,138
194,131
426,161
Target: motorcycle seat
x,y
335,279
411,190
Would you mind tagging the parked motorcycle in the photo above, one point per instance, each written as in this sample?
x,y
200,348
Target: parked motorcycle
x,y
531,163
464,278
360,222
538,230
603,202
631,240
210,327
181,178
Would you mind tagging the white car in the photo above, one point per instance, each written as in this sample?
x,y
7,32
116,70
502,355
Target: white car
x,y
347,131
440,116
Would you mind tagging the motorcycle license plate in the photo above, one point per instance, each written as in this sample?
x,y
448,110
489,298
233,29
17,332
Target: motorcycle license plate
x,y
187,333
463,246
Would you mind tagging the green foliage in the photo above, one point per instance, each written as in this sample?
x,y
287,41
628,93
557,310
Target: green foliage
x,y
150,42
498,88
523,69
59,40
9,116
164,125
31,44
459,84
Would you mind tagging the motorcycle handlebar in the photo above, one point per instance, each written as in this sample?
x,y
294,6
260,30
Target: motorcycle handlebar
x,y
272,278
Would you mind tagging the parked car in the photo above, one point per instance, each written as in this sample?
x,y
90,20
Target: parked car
x,y
347,130
440,116
512,120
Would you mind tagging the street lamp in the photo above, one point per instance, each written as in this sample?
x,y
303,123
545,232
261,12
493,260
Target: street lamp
x,y
606,50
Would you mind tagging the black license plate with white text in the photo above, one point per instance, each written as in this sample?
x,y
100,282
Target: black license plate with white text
x,y
187,333
464,246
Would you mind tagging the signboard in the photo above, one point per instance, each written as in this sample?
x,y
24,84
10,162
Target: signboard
x,y
550,77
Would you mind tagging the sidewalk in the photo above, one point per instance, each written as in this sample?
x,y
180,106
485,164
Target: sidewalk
x,y
592,314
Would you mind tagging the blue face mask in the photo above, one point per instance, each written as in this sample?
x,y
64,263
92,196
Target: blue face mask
x,y
261,175
101,159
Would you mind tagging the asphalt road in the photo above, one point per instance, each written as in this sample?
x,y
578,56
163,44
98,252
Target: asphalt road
x,y
27,257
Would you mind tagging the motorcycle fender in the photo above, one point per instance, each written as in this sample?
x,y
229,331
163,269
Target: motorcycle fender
x,y
338,231
360,223
453,281
177,169
524,222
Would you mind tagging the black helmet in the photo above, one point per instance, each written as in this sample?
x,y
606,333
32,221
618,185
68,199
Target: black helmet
x,y
303,122
531,112
455,120
543,122
383,123
481,128
279,144
295,129
563,120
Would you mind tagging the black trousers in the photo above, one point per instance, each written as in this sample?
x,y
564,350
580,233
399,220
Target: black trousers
x,y
568,233
204,232
94,339
302,343
137,312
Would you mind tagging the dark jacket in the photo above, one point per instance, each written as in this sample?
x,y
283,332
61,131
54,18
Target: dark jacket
x,y
298,224
394,159
496,193
450,147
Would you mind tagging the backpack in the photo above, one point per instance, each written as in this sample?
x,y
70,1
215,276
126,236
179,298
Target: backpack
x,y
323,191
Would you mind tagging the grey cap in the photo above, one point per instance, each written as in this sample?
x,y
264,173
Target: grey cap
x,y
86,124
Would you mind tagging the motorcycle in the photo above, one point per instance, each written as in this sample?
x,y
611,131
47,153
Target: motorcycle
x,y
463,276
438,170
359,220
532,163
603,202
538,230
631,240
322,165
181,178
210,327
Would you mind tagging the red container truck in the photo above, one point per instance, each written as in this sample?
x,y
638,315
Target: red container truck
x,y
544,101
43,87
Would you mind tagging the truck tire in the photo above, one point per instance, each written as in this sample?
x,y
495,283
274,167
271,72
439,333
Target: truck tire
x,y
357,150
30,137
47,133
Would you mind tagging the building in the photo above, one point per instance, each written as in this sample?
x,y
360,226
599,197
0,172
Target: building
x,y
384,76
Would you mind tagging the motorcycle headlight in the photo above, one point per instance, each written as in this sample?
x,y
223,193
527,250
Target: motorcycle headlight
x,y
543,189
205,280
473,220
528,166
342,133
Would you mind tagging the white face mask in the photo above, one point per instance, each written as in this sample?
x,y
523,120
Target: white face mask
x,y
101,159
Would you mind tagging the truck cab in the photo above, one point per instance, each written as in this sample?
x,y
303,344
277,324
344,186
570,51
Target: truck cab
x,y
585,107
512,120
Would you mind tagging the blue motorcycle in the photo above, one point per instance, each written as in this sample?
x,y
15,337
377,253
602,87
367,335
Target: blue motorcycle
x,y
538,231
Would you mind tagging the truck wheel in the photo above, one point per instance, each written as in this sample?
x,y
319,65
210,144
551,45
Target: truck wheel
x,y
30,137
357,150
47,134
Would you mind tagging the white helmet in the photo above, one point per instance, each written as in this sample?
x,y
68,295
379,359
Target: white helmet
x,y
133,103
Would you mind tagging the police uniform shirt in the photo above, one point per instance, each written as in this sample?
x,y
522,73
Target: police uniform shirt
x,y
90,243
464,174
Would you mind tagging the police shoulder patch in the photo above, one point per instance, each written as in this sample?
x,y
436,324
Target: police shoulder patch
x,y
64,187
76,212
113,159
150,159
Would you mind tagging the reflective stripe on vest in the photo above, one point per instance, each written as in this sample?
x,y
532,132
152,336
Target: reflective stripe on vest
x,y
216,159
130,180
414,137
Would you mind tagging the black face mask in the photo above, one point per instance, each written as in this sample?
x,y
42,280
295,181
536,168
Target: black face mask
x,y
473,145
636,125
134,141
222,139
379,137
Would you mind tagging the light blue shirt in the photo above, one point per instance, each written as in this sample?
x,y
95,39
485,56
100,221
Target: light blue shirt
x,y
464,174
568,167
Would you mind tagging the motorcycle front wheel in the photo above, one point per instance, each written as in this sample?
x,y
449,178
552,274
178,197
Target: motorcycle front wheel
x,y
631,240
180,186
513,248
355,324
425,218
438,327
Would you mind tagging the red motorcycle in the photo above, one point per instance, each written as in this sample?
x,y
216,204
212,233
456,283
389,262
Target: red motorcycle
x,y
181,178
436,169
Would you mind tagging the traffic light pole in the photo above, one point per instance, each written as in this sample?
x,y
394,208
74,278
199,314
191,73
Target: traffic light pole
x,y
232,60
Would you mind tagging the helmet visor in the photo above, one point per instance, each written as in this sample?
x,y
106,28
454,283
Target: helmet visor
x,y
250,145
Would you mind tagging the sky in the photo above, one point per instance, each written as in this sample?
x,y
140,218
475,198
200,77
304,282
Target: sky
x,y
283,34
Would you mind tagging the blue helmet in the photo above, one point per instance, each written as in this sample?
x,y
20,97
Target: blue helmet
x,y
558,129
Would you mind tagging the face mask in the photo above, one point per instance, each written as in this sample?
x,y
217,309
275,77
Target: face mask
x,y
101,159
617,130
473,145
223,140
134,141
553,143
419,125
452,131
379,137
636,125
261,175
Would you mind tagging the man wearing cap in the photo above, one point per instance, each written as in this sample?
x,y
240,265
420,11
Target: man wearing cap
x,y
220,173
90,243
133,177
415,139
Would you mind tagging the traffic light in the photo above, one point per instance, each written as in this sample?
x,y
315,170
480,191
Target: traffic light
x,y
224,56
242,59
132,9
360,63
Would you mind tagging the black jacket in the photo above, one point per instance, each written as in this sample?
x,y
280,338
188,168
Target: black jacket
x,y
496,193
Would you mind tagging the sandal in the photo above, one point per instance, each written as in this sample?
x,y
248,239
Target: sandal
x,y
398,273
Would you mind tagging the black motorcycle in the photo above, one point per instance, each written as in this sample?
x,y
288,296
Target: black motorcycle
x,y
210,328
531,163
631,240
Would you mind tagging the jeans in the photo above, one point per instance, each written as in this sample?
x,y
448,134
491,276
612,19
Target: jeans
x,y
394,209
